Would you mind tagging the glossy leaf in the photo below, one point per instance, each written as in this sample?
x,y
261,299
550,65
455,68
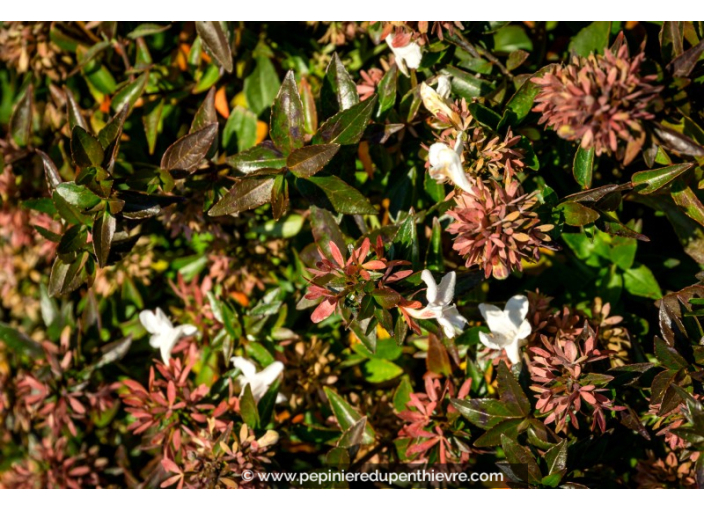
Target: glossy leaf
x,y
583,167
103,234
594,38
307,161
188,151
257,158
347,127
53,179
287,117
129,93
74,112
485,413
337,193
346,415
67,277
339,91
85,149
261,87
21,120
245,194
248,408
215,41
576,214
77,195
387,91
648,181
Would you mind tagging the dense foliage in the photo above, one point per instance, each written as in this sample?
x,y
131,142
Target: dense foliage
x,y
338,245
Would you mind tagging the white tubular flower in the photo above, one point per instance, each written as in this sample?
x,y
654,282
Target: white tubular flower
x,y
446,164
407,57
444,87
509,327
440,305
164,334
436,103
259,382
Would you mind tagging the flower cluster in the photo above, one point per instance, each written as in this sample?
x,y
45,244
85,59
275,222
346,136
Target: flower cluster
x,y
337,281
219,457
57,465
171,407
599,101
560,370
428,416
496,228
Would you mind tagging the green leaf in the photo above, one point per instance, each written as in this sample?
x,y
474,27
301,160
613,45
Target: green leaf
x,y
307,161
110,134
241,127
128,94
492,437
648,181
262,156
18,342
103,233
206,114
85,148
511,392
310,113
521,103
21,120
248,408
485,116
339,91
402,395
73,239
387,91
639,281
688,201
53,179
381,370
347,127
556,457
576,214
354,435
346,415
333,191
188,151
261,86
466,85
671,40
623,251
406,241
146,29
286,129
594,38
67,277
583,167
521,456
485,413
434,259
74,112
89,55
516,58
668,355
215,41
325,229
151,121
77,195
512,38
279,196
245,194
